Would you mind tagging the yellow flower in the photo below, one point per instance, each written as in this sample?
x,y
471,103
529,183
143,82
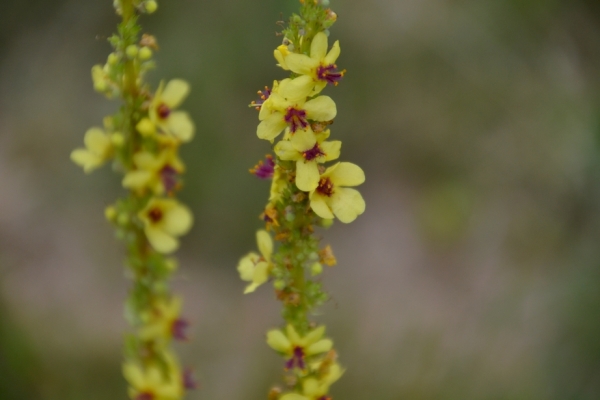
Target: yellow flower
x,y
331,197
164,220
172,126
151,383
157,172
255,268
280,53
316,389
290,344
308,150
320,66
99,149
164,322
287,106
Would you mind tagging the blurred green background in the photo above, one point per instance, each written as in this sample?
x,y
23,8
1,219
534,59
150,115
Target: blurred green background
x,y
474,273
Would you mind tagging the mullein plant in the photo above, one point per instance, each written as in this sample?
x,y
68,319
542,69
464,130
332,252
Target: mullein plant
x,y
142,140
305,193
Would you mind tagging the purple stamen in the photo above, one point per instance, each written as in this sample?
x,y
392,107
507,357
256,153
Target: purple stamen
x,y
189,382
330,74
297,359
264,170
296,118
163,111
263,96
168,176
178,329
145,396
313,153
325,187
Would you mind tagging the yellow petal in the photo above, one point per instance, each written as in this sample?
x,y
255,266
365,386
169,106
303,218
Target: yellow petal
x,y
178,220
345,174
134,375
333,54
314,335
260,276
271,127
180,125
321,346
321,108
307,175
301,64
97,141
175,92
311,388
278,341
331,149
137,179
265,244
160,240
278,53
318,47
85,159
292,334
286,151
319,206
347,204
304,140
295,91
293,396
146,160
246,266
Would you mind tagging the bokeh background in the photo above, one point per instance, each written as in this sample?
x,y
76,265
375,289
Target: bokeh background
x,y
474,273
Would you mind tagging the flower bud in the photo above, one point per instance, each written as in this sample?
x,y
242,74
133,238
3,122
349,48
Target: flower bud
x,y
316,269
117,139
110,213
132,51
151,6
145,53
113,59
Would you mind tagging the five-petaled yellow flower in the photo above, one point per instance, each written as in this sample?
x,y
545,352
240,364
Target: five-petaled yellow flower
x,y
163,121
292,345
308,150
150,383
255,268
164,220
332,197
287,107
320,66
98,149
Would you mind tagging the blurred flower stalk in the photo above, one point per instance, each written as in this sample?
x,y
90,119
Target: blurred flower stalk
x,y
305,193
142,140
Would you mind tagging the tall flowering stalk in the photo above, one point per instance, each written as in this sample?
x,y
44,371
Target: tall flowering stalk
x,y
305,193
142,140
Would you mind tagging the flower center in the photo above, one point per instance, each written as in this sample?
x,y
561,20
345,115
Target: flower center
x,y
325,187
155,215
264,170
330,74
313,153
168,176
163,111
296,118
178,329
145,396
297,359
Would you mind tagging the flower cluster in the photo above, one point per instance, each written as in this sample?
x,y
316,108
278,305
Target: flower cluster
x,y
305,193
143,140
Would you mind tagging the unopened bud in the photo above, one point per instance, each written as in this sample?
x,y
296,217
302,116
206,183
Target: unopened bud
x,y
316,269
117,139
110,213
132,51
113,58
151,6
145,53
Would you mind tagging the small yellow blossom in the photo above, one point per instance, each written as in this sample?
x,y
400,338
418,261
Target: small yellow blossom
x,y
98,149
255,268
280,53
308,150
164,220
164,322
156,172
331,197
287,107
316,389
152,383
171,126
320,66
290,344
